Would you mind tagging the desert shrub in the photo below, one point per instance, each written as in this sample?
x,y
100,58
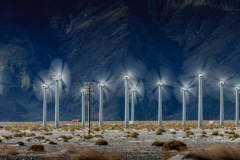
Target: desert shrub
x,y
236,136
203,135
51,142
47,133
133,135
185,128
97,136
173,133
0,140
11,150
161,130
221,135
62,136
18,134
127,132
46,140
77,135
96,129
88,136
214,152
229,132
7,137
157,143
40,137
20,143
158,132
69,137
101,142
189,133
203,132
65,140
36,148
215,133
173,145
30,135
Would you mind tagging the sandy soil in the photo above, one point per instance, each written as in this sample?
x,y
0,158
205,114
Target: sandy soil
x,y
133,148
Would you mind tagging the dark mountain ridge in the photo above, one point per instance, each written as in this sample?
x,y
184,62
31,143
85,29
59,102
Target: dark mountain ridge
x,y
92,34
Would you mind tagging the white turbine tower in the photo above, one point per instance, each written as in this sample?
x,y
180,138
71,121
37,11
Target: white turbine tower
x,y
127,78
221,104
132,106
183,89
83,91
101,85
237,107
60,73
44,90
184,106
200,102
159,84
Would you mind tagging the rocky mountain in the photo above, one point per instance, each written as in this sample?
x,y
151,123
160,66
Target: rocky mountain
x,y
90,35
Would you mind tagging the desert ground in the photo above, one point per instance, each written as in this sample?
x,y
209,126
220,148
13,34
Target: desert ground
x,y
71,140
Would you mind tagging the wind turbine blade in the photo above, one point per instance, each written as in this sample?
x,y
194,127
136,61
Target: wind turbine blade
x,y
1,89
38,89
55,67
166,93
178,92
66,77
167,76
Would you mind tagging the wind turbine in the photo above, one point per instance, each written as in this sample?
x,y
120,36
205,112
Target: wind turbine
x,y
106,84
159,87
129,69
224,78
184,88
79,94
202,69
137,94
44,91
60,73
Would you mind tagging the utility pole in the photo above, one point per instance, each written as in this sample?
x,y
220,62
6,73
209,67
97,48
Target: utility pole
x,y
89,93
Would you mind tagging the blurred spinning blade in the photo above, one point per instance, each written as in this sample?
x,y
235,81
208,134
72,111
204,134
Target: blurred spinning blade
x,y
185,81
60,68
43,79
163,75
139,88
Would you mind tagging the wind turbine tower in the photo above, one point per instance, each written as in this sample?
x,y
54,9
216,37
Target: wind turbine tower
x,y
221,104
184,107
101,85
83,106
160,84
237,106
127,78
132,107
200,102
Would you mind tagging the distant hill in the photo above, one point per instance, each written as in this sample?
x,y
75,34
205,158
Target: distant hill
x,y
92,34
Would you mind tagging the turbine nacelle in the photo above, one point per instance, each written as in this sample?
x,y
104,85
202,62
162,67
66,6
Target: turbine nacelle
x,y
83,91
101,85
160,83
200,76
58,78
126,77
184,89
222,83
237,88
45,86
133,90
